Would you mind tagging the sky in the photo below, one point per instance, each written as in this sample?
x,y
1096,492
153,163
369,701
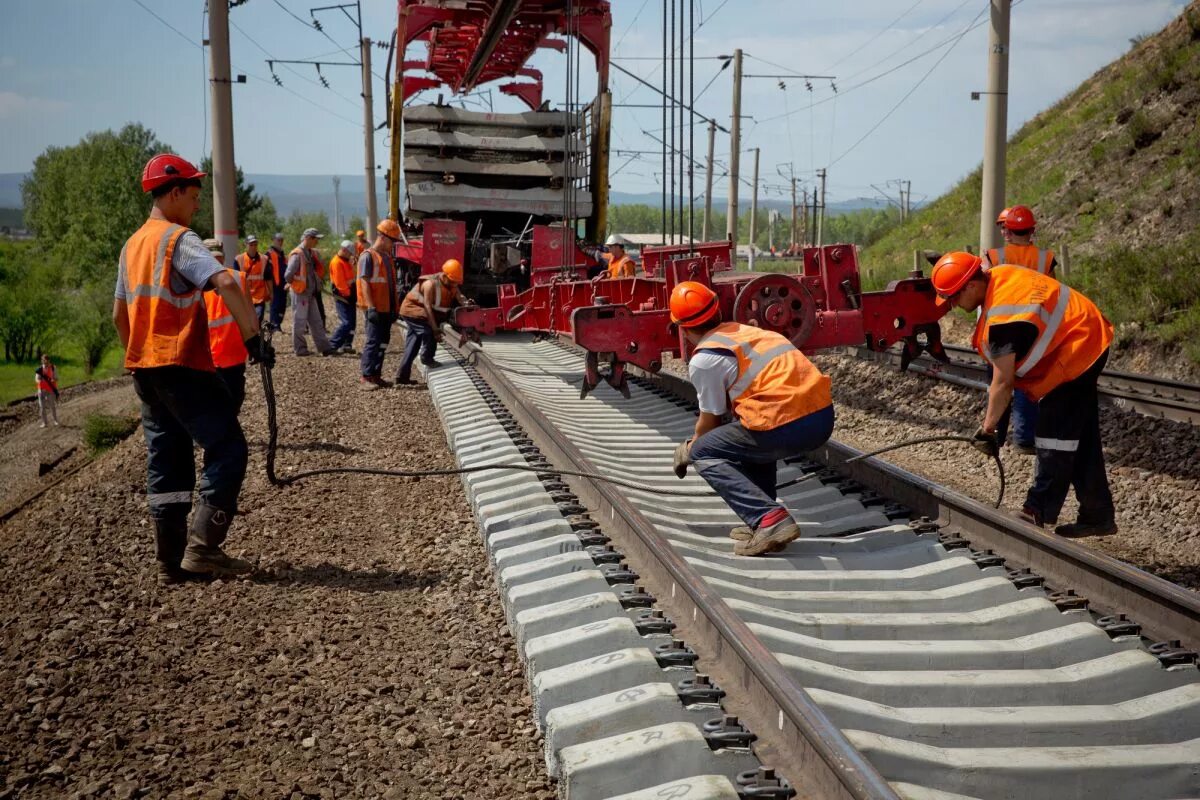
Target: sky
x,y
68,67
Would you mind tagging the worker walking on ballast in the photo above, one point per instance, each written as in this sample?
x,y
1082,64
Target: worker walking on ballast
x,y
304,277
783,407
160,317
377,298
423,310
1050,341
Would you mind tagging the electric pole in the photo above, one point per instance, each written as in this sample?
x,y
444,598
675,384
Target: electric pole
x,y
708,181
995,126
369,137
735,146
821,219
792,246
337,206
804,218
225,222
754,211
905,201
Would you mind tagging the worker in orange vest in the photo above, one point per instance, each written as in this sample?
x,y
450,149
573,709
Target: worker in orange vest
x,y
620,265
252,264
1049,340
782,406
360,243
46,379
344,276
277,266
424,308
304,270
160,317
377,298
228,351
1019,226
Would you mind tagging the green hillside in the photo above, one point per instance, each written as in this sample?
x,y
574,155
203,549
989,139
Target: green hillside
x,y
1114,171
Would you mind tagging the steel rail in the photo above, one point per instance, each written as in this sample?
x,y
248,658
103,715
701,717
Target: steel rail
x,y
794,732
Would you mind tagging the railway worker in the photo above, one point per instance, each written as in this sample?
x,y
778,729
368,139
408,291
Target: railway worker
x,y
423,310
224,340
252,264
620,265
45,377
343,275
303,279
277,262
160,317
378,299
360,243
782,404
1049,340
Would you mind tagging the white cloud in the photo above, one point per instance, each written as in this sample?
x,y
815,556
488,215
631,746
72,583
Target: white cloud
x,y
13,104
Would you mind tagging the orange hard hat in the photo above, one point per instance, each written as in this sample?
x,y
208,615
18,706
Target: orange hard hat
x,y
167,167
364,233
693,303
1003,215
1020,218
953,270
453,270
389,228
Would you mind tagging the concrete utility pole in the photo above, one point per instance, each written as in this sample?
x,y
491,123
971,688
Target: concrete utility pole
x,y
995,137
224,178
792,246
337,205
708,181
804,218
369,136
735,146
821,219
905,201
754,211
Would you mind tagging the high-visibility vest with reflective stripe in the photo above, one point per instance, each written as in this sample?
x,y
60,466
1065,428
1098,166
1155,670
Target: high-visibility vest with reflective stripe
x,y
224,336
300,283
776,383
381,286
341,272
1029,256
253,268
278,265
47,379
443,297
165,329
623,268
1072,333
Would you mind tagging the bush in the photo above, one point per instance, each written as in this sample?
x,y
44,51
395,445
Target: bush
x,y
103,431
28,312
91,324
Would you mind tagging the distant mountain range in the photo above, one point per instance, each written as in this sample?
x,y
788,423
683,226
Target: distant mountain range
x,y
315,193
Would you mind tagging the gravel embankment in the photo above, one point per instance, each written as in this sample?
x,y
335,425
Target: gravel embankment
x,y
367,656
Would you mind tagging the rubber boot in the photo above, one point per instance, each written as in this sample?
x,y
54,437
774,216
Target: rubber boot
x,y
170,540
205,537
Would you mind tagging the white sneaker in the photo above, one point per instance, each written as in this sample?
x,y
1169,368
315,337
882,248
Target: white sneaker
x,y
42,425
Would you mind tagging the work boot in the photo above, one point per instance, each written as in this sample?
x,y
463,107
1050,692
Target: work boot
x,y
432,362
1024,449
742,533
170,540
1078,530
769,538
205,537
1031,515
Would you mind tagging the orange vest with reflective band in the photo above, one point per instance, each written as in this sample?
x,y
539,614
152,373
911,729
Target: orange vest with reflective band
x,y
165,329
1072,333
381,286
253,270
443,298
625,268
47,379
1029,256
776,383
278,265
300,283
341,272
224,336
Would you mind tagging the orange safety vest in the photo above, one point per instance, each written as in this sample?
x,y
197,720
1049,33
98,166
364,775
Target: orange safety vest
x,y
381,286
1072,332
165,329
300,283
776,383
341,272
47,379
625,268
278,266
255,283
359,247
1029,256
414,302
224,336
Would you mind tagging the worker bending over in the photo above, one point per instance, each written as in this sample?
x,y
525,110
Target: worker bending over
x,y
1050,341
782,404
160,317
224,339
377,298
426,306
304,277
343,276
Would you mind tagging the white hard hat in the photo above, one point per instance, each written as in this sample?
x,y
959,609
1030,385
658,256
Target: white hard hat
x,y
346,244
614,239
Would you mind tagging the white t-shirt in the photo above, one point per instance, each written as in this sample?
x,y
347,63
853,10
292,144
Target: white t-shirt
x,y
713,372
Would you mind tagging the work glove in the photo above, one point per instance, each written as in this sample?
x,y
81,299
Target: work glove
x,y
372,316
986,443
683,457
260,351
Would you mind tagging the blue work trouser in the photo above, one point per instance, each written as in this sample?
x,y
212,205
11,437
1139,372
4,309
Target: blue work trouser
x,y
1070,454
347,313
379,334
1022,414
420,340
182,406
739,464
279,295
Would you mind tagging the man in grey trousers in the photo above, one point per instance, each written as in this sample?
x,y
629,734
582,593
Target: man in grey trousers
x,y
302,277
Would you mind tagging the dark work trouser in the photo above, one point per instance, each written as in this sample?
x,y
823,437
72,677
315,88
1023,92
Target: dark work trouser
x,y
347,312
182,406
1069,452
421,340
279,295
234,379
379,334
739,464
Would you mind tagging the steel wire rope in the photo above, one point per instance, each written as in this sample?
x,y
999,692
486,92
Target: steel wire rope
x,y
851,52
289,68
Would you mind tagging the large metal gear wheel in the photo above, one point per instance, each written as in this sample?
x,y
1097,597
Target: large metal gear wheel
x,y
779,303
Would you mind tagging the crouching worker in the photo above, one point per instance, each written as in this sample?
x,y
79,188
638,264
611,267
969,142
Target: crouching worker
x,y
423,310
782,407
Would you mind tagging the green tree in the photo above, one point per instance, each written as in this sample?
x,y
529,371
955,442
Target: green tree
x,y
91,324
299,220
356,224
30,309
247,203
263,222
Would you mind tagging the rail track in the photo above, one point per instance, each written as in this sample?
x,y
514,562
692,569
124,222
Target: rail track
x,y
913,643
1144,394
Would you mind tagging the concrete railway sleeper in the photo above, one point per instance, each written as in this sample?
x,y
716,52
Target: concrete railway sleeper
x,y
875,657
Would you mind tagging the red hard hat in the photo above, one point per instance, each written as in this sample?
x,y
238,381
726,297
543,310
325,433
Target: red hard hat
x,y
953,270
692,303
1003,215
166,167
1020,218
